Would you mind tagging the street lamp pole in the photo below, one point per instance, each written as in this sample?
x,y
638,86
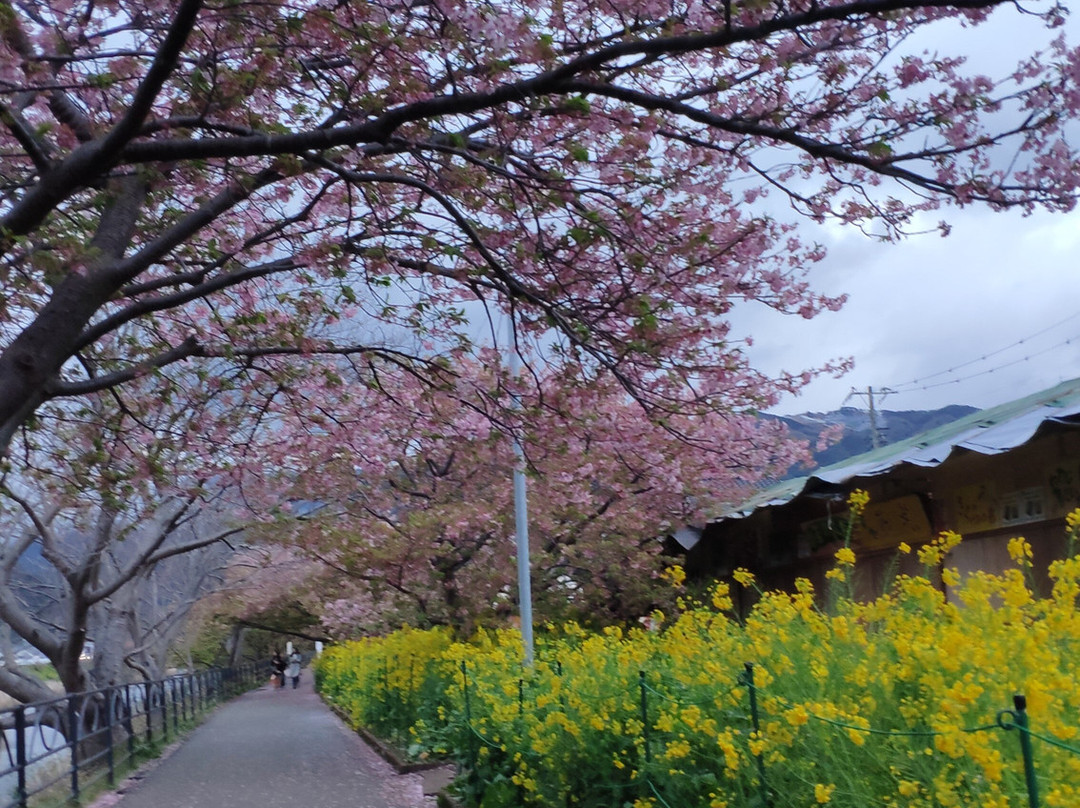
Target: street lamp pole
x,y
521,525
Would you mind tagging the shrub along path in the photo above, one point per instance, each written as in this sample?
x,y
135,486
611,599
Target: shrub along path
x,y
273,749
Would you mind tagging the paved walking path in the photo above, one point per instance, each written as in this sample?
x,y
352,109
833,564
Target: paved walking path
x,y
274,749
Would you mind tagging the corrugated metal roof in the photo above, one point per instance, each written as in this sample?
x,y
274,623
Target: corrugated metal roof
x,y
989,431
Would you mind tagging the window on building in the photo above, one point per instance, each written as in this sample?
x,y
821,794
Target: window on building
x,y
1028,505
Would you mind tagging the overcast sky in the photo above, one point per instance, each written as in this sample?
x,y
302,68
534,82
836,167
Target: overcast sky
x,y
921,315
1001,286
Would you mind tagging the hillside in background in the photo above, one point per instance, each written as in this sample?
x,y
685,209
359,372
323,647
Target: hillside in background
x,y
892,426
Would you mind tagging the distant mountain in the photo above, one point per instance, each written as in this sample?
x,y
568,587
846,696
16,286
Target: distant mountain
x,y
892,426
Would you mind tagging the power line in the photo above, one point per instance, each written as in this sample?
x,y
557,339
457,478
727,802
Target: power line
x,y
1002,366
917,384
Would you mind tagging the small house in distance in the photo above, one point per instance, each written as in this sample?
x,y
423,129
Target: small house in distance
x,y
1011,470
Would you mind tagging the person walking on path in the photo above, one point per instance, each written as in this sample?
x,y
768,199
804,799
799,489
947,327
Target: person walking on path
x,y
264,751
278,664
294,668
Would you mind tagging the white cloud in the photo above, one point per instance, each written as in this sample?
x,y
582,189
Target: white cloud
x,y
930,304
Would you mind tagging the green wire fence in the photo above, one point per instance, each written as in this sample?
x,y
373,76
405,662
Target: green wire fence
x,y
396,696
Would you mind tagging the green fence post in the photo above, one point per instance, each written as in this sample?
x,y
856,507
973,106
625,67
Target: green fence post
x,y
414,700
384,701
468,712
1020,703
396,698
644,715
473,778
748,680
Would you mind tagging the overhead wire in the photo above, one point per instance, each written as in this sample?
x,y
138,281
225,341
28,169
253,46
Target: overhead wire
x,y
921,383
994,369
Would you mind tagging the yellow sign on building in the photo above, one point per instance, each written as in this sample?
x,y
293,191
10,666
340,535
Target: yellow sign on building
x,y
886,524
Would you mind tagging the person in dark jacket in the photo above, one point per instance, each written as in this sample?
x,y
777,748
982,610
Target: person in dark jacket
x,y
278,665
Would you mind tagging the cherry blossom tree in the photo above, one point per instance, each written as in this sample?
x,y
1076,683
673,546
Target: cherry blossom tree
x,y
418,522
197,181
136,630
122,513
126,583
272,595
198,198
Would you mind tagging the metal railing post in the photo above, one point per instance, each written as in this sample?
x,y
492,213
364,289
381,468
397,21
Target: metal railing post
x,y
148,707
20,754
164,712
175,711
73,743
129,722
110,698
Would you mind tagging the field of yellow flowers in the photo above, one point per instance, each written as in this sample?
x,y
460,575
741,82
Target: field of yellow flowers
x,y
905,701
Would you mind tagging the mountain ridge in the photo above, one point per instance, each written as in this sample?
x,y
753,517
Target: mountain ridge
x,y
892,426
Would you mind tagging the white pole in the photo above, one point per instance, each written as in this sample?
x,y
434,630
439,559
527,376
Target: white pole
x,y
521,524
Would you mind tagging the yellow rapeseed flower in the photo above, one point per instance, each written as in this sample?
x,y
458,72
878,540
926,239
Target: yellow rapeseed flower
x,y
845,556
677,749
1072,521
676,574
797,715
857,501
909,659
930,555
949,539
721,597
1020,551
823,793
908,788
743,576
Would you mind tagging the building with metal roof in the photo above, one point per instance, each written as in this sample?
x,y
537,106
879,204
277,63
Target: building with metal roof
x,y
1009,470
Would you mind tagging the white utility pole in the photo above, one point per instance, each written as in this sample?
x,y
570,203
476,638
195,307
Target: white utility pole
x,y
521,523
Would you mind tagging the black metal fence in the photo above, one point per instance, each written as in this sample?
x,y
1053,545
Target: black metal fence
x,y
59,748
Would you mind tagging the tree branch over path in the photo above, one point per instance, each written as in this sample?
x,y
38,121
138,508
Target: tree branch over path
x,y
552,82
186,181
95,157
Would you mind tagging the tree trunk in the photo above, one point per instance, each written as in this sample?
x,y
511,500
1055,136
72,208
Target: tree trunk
x,y
234,645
